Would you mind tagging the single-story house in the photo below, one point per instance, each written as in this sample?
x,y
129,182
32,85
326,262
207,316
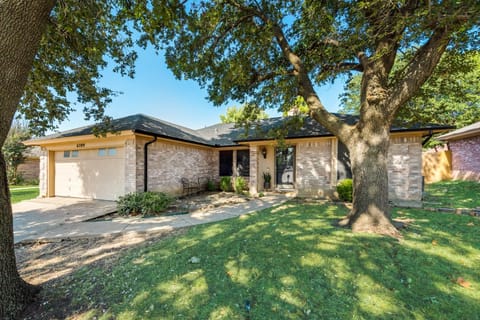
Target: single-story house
x,y
146,153
464,144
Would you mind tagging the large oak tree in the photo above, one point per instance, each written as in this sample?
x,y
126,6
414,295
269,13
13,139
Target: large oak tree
x,y
51,51
270,52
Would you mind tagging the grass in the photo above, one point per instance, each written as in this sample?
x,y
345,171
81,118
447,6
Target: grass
x,y
453,194
290,262
20,193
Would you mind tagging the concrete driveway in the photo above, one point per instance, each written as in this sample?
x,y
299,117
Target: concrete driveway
x,y
32,218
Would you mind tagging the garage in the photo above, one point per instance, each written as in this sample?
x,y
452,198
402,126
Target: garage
x,y
95,173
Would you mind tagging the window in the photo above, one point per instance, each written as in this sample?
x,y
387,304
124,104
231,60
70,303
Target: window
x,y
66,154
243,163
103,152
226,161
74,153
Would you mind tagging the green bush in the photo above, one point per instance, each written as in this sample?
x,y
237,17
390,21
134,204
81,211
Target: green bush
x,y
345,190
226,184
240,184
211,185
143,203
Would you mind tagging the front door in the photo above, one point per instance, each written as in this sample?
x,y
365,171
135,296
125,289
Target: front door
x,y
285,167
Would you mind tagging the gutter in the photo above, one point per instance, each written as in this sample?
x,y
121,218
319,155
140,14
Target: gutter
x,y
145,163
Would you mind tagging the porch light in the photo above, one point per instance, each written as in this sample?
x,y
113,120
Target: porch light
x,y
264,153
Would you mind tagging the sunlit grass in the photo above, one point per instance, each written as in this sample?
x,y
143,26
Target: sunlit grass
x,y
292,263
23,193
453,194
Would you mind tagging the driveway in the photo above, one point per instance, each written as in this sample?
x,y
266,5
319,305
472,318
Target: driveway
x,y
32,218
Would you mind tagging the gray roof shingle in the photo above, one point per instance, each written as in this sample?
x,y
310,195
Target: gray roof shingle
x,y
227,134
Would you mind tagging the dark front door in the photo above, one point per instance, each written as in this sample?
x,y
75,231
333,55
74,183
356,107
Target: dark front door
x,y
285,167
344,169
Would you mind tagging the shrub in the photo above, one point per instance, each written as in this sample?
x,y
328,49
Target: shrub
x,y
143,203
226,184
211,185
345,190
240,184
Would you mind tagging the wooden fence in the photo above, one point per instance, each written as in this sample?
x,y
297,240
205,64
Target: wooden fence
x,y
437,166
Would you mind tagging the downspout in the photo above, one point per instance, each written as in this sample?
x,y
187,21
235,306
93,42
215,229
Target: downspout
x,y
427,138
145,163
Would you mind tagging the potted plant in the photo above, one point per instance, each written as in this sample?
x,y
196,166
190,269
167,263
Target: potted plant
x,y
267,178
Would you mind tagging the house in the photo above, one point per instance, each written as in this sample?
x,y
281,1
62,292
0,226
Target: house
x,y
146,153
464,145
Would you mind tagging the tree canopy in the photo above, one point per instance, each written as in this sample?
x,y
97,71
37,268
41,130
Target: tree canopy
x,y
243,114
451,96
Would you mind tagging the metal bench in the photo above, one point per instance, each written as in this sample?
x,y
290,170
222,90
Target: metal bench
x,y
190,186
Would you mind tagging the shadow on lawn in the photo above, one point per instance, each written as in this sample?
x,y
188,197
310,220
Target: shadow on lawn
x,y
291,263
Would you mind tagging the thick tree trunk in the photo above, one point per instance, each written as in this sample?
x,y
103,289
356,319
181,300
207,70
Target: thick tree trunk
x,y
14,292
22,23
369,157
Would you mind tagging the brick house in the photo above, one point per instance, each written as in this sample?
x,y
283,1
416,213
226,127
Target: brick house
x,y
151,154
464,144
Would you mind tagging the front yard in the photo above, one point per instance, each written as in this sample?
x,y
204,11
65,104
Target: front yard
x,y
288,262
20,193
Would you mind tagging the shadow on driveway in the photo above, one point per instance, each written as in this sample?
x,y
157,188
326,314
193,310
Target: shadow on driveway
x,y
31,218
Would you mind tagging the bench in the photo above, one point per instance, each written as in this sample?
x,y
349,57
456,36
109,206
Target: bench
x,y
195,185
190,186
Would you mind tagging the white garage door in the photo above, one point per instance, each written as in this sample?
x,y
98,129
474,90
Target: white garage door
x,y
96,174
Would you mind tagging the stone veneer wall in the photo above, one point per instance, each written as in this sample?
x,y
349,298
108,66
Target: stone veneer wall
x,y
314,163
169,162
466,158
405,170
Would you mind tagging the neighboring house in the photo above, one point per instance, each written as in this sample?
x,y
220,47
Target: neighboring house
x,y
150,154
464,144
30,168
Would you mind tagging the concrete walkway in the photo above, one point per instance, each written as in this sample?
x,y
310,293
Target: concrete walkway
x,y
28,228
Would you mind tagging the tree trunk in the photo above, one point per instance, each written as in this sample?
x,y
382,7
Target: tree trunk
x,y
14,292
369,158
22,23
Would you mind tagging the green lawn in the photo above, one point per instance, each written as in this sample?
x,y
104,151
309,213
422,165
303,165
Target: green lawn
x,y
20,193
290,262
453,194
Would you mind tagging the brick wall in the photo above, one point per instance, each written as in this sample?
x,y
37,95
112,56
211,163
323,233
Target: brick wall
x,y
169,162
466,158
43,175
314,163
405,170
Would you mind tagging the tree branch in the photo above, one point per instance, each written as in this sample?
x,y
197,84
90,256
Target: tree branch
x,y
419,69
306,90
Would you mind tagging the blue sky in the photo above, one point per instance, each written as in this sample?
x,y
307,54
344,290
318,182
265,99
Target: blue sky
x,y
154,91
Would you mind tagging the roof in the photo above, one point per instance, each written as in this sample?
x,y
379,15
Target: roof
x,y
465,132
227,134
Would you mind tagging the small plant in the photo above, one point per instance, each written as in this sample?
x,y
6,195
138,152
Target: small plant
x,y
226,184
211,185
143,203
267,178
345,190
240,184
